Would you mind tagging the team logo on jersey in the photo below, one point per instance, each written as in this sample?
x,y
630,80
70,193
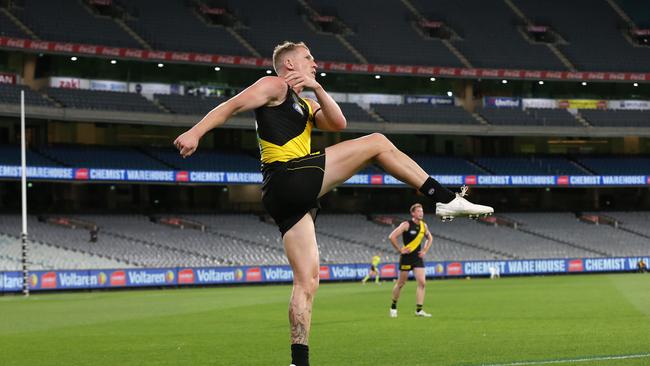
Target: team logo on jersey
x,y
297,105
298,108
413,232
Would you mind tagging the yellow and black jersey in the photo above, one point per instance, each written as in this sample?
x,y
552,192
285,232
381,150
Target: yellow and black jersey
x,y
413,237
284,131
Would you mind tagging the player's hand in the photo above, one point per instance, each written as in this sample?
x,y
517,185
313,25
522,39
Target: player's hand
x,y
405,250
422,254
187,143
301,80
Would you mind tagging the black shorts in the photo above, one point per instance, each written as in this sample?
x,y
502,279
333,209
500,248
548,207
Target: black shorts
x,y
373,268
408,262
291,188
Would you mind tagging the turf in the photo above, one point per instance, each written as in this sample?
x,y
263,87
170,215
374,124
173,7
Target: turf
x,y
475,322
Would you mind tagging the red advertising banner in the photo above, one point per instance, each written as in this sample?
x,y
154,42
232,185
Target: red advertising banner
x,y
7,78
254,274
189,57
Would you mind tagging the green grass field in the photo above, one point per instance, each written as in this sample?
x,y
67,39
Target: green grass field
x,y
512,321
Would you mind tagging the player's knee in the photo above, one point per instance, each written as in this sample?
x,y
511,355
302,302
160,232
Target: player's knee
x,y
378,138
306,287
315,282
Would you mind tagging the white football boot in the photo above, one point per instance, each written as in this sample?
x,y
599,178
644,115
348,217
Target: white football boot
x,y
393,313
423,314
460,207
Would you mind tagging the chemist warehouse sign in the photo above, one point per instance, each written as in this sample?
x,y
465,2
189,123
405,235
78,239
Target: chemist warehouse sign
x,y
172,176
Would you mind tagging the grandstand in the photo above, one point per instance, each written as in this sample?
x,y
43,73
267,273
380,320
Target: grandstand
x,y
97,114
126,241
360,36
539,109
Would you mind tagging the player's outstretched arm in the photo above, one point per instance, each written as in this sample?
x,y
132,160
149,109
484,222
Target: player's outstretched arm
x,y
264,91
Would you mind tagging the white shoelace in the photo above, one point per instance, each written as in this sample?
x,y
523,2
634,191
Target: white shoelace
x,y
463,191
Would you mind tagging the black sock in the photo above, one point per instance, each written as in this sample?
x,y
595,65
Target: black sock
x,y
418,307
432,189
394,304
300,354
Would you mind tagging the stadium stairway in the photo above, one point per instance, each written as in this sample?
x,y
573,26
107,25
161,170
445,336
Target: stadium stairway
x,y
355,52
145,45
75,250
556,51
480,166
600,219
445,42
581,166
19,24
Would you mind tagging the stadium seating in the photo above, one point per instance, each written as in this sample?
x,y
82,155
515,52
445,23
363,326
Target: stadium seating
x,y
292,25
188,104
599,238
423,113
102,100
71,21
9,29
490,35
80,156
46,257
444,165
229,239
10,155
595,37
151,20
638,11
552,117
10,94
154,158
528,117
194,105
503,242
507,116
534,165
206,160
620,165
616,118
354,112
633,220
383,33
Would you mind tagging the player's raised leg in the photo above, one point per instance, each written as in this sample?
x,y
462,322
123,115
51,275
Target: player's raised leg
x,y
348,157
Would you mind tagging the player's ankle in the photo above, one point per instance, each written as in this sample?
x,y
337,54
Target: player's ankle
x,y
300,354
436,192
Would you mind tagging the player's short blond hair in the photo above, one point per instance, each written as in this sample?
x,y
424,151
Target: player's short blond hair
x,y
414,207
282,49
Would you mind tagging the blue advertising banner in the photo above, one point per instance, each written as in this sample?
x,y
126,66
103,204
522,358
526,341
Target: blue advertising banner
x,y
159,277
108,175
11,281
